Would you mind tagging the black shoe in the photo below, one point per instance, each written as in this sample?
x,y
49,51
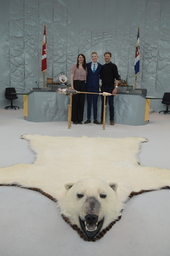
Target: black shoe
x,y
88,121
80,122
76,122
96,122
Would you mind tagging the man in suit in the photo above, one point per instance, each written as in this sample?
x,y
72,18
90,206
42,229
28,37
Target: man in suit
x,y
92,85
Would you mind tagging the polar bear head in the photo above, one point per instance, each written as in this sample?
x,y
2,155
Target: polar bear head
x,y
91,204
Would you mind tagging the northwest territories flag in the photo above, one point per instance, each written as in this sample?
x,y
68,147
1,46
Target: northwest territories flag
x,y
137,55
44,49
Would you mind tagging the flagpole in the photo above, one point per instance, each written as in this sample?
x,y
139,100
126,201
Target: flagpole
x,y
44,84
136,79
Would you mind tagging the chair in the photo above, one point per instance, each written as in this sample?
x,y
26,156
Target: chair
x,y
166,101
10,94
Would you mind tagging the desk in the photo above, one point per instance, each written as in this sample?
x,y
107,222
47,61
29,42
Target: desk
x,y
45,105
130,109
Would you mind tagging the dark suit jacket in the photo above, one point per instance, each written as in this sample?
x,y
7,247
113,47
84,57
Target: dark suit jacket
x,y
92,81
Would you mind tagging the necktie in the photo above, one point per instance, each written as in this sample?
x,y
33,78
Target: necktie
x,y
94,68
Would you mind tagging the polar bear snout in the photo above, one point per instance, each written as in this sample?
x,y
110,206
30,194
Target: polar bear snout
x,y
92,206
89,220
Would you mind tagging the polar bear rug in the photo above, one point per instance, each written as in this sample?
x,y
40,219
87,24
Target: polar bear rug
x,y
89,178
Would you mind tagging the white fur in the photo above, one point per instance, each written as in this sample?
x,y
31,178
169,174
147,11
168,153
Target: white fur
x,y
62,160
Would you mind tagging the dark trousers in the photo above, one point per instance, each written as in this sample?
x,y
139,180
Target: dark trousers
x,y
78,101
92,99
110,100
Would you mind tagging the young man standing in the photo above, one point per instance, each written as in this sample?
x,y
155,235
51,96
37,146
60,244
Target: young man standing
x,y
110,80
92,85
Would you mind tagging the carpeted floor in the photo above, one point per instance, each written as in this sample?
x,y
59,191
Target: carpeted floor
x,y
30,224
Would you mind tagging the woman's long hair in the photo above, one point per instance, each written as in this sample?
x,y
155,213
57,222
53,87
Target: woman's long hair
x,y
84,62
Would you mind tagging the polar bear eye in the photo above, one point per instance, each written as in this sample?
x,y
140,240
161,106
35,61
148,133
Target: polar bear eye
x,y
80,195
102,195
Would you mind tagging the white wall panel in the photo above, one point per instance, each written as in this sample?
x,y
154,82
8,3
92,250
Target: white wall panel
x,y
17,43
4,51
31,44
78,26
85,24
163,70
96,29
123,38
73,32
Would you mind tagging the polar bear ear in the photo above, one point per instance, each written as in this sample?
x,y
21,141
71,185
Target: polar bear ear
x,y
113,186
68,186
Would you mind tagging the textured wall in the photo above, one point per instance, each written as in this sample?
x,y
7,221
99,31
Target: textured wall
x,y
82,26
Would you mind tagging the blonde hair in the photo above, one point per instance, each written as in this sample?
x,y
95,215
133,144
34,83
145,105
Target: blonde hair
x,y
94,53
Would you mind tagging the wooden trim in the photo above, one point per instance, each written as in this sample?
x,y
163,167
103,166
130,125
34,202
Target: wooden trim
x,y
25,103
147,110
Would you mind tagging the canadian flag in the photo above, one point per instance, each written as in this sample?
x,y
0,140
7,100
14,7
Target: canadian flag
x,y
44,52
